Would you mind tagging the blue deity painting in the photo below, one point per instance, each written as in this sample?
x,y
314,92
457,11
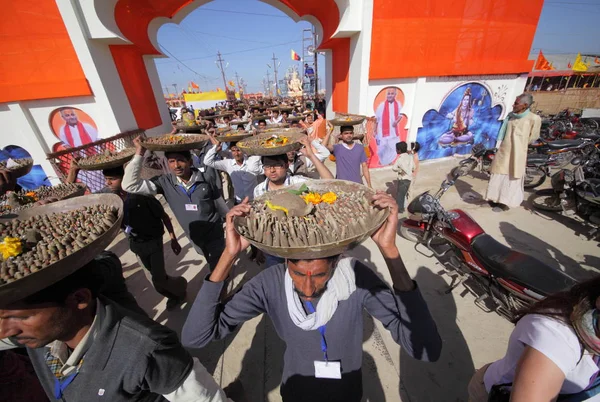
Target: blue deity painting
x,y
466,117
32,180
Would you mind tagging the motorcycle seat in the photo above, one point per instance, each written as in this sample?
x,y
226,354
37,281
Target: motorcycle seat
x,y
560,144
537,159
525,270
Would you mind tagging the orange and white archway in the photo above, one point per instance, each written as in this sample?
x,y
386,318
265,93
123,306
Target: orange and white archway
x,y
96,56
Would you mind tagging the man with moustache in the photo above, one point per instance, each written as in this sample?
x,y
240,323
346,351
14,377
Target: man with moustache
x,y
85,347
316,306
191,195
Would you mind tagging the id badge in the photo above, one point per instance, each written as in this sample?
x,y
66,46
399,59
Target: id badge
x,y
331,370
191,207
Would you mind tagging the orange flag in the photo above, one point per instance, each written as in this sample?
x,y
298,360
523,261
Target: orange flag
x,y
569,65
194,85
597,61
542,63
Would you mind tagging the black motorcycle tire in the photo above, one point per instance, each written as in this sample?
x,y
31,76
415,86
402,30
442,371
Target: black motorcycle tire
x,y
534,177
416,236
540,198
464,168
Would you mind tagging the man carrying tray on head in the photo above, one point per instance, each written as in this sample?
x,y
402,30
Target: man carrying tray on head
x,y
143,221
276,170
191,195
241,168
316,306
84,347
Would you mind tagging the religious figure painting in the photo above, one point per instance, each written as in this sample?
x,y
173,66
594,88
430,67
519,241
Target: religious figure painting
x,y
35,178
73,127
390,126
465,117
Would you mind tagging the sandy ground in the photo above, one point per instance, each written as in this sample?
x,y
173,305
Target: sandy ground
x,y
251,359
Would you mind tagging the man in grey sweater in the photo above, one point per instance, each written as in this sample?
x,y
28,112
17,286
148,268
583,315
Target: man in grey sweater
x,y
316,307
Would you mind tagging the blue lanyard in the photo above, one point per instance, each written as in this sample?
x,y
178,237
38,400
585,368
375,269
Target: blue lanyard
x,y
189,193
60,386
311,310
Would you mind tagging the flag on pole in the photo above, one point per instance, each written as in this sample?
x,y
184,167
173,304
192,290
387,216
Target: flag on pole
x,y
542,63
231,84
295,56
579,65
569,65
597,61
194,85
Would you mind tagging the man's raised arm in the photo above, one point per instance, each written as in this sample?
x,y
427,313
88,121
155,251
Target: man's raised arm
x,y
132,180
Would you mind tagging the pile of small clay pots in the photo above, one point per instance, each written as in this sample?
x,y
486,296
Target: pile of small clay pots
x,y
49,238
17,163
23,199
107,156
349,216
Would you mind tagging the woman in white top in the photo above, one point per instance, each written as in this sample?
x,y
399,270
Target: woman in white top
x,y
552,353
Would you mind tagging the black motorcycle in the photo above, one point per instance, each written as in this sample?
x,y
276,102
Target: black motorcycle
x,y
574,191
482,157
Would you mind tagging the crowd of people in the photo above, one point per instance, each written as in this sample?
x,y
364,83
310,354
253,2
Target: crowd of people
x,y
87,337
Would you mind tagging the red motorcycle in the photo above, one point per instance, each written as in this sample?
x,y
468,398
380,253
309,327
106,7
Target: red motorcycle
x,y
509,279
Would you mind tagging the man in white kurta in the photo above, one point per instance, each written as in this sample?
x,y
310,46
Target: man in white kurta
x,y
388,116
520,128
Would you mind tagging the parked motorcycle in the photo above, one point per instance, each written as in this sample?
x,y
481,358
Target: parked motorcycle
x,y
482,158
510,279
575,191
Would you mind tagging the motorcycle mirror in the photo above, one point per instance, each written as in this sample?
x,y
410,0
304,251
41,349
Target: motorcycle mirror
x,y
576,161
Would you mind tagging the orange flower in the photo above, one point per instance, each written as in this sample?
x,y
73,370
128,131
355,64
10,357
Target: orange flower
x,y
329,197
314,198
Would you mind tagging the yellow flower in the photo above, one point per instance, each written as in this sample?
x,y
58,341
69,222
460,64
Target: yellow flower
x,y
314,198
276,207
11,247
329,197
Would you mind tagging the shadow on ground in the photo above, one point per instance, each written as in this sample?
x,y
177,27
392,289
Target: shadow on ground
x,y
446,379
522,241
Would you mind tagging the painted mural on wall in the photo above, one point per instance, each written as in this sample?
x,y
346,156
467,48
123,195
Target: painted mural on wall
x,y
465,117
35,178
390,126
73,126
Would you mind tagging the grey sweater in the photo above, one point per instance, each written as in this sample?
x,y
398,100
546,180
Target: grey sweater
x,y
404,314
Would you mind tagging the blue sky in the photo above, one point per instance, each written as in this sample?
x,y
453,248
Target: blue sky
x,y
248,32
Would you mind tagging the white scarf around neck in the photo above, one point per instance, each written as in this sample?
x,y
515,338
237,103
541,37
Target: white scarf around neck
x,y
341,285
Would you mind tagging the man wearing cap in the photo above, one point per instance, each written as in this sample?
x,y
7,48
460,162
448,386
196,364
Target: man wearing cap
x,y
84,347
316,306
350,157
241,168
277,177
276,170
191,195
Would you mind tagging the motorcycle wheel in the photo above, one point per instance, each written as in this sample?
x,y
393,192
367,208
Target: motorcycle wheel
x,y
411,234
546,200
534,176
416,235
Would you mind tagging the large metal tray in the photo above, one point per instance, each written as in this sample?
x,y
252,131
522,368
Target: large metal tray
x,y
323,250
34,282
251,145
199,142
120,159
